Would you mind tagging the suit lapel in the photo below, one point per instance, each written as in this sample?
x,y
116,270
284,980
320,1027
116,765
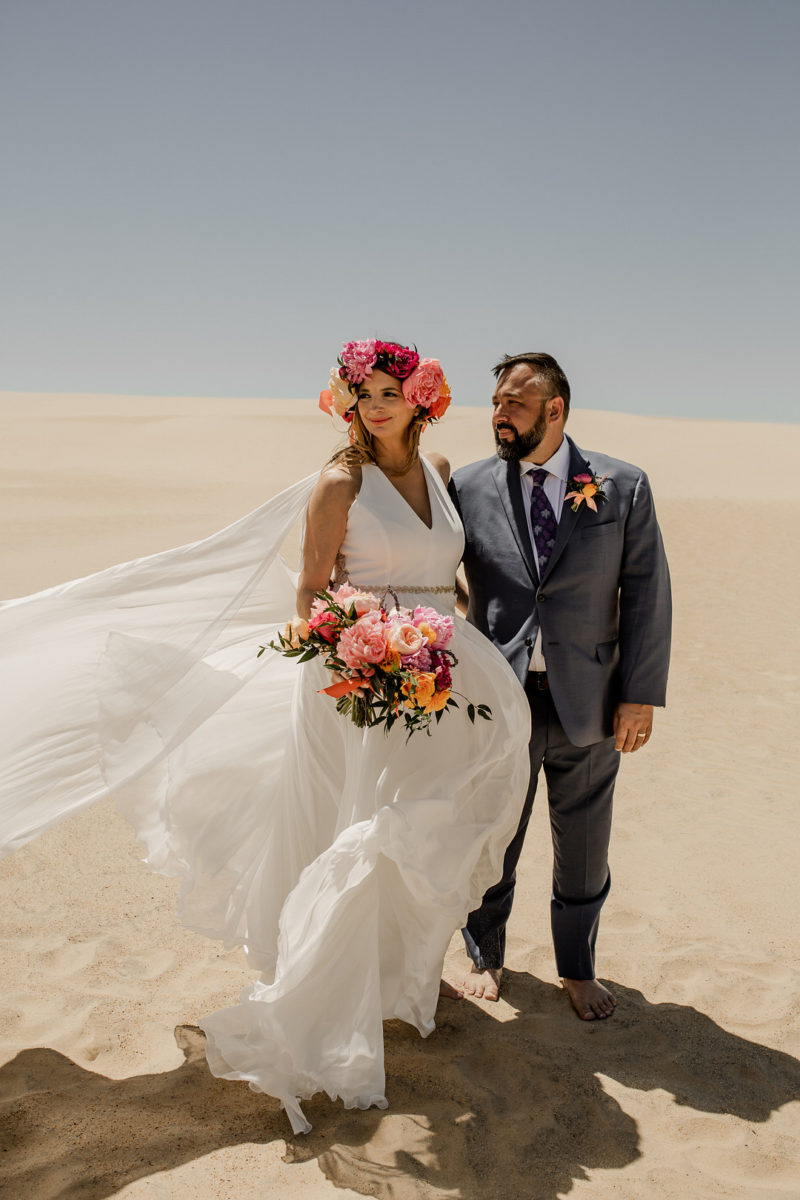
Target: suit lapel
x,y
568,519
506,478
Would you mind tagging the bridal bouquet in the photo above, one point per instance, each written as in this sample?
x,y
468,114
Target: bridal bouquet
x,y
392,664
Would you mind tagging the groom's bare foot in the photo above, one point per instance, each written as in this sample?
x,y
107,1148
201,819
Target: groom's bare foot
x,y
483,985
591,1001
447,989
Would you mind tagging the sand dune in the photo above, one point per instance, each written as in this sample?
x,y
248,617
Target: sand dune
x,y
691,1090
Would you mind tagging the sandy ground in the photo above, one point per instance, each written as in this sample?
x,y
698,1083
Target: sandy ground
x,y
690,1091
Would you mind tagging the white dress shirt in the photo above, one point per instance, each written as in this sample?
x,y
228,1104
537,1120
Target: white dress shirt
x,y
555,488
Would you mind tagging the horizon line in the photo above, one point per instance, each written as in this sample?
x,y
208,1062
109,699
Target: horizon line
x,y
575,408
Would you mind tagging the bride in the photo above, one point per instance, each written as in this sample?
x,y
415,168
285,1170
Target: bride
x,y
343,859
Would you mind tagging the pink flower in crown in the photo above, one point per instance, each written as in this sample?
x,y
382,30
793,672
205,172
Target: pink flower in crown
x,y
430,621
424,383
364,642
358,359
406,360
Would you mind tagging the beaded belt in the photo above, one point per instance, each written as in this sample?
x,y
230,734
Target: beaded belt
x,y
341,576
412,587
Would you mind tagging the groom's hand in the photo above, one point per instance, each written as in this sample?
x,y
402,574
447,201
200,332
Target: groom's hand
x,y
633,724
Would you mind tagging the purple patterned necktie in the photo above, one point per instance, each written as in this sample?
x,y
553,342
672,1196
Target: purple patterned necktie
x,y
543,520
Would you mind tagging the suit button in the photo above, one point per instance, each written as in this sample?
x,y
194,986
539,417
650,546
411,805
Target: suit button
x,y
541,597
528,641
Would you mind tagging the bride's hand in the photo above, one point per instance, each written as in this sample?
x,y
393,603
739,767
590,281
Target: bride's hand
x,y
337,677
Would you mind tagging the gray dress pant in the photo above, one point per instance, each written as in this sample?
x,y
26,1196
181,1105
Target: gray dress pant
x,y
580,791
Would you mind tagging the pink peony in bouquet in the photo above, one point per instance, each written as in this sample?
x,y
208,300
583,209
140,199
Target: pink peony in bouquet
x,y
391,664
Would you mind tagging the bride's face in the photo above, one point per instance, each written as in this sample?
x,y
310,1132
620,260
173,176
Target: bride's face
x,y
382,406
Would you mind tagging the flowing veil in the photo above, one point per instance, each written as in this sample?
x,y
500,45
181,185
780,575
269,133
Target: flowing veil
x,y
104,677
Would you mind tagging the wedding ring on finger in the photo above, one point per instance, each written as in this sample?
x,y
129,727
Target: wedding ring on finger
x,y
641,735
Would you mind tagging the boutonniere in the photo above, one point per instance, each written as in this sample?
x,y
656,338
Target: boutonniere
x,y
586,488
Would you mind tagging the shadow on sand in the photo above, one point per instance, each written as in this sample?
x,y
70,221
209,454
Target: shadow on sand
x,y
484,1107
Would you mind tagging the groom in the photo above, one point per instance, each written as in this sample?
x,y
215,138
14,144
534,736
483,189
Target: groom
x,y
567,575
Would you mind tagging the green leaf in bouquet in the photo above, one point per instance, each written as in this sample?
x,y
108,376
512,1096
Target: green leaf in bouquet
x,y
471,712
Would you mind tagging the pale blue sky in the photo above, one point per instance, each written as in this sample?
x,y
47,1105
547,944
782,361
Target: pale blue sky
x,y
207,197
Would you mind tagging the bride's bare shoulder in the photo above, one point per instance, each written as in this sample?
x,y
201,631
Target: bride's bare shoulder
x,y
337,486
440,464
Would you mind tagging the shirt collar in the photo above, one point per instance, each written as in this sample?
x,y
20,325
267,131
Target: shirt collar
x,y
557,464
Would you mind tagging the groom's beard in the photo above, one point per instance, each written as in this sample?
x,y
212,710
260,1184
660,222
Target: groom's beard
x,y
521,444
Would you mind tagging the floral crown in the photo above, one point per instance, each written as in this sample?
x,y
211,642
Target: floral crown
x,y
422,379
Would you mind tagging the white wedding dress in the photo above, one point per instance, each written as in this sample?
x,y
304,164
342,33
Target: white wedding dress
x,y
342,859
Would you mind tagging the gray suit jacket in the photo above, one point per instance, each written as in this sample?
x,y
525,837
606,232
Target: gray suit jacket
x,y
603,603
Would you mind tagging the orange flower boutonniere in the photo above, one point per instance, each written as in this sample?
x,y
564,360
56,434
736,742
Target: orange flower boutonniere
x,y
586,489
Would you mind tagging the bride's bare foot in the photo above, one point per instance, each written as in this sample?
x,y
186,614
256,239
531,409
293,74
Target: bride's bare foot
x,y
591,1001
483,985
447,989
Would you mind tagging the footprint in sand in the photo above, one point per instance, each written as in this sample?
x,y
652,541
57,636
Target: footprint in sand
x,y
628,922
751,992
149,965
70,958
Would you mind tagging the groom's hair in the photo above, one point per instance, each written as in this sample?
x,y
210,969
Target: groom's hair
x,y
546,369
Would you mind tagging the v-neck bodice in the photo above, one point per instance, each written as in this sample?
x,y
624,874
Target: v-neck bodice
x,y
388,545
382,475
